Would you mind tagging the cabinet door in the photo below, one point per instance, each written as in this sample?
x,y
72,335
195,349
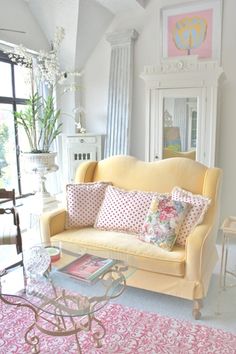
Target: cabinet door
x,y
79,149
78,153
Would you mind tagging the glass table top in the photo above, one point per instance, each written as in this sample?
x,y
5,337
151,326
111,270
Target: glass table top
x,y
64,279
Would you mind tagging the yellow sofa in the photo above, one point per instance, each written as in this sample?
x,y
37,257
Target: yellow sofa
x,y
185,271
168,153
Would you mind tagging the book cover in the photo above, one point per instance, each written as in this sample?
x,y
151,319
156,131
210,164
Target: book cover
x,y
87,267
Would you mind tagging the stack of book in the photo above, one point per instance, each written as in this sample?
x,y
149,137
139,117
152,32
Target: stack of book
x,y
88,267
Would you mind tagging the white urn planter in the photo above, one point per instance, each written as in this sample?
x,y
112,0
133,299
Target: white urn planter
x,y
41,164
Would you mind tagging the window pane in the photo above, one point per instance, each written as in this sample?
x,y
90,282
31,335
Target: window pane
x,y
23,140
22,82
8,171
194,130
5,80
27,180
22,137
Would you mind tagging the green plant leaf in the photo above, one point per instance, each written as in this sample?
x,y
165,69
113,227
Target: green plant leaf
x,y
40,121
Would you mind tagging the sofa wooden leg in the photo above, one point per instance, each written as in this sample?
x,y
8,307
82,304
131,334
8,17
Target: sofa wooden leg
x,y
197,305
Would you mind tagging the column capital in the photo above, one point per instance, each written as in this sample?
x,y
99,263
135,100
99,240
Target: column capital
x,y
122,37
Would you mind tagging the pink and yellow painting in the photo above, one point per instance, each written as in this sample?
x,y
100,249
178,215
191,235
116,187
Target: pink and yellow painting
x,y
190,34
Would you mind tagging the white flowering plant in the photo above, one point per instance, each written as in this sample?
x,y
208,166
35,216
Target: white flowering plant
x,y
40,119
45,65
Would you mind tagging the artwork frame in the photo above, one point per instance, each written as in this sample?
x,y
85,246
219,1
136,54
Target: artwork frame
x,y
192,29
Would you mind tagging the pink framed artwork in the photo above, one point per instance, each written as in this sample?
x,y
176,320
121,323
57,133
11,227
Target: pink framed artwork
x,y
192,29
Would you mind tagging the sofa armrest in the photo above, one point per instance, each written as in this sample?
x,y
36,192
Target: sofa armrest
x,y
85,172
52,223
200,251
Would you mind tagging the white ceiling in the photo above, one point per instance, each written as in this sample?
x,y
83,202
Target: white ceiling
x,y
57,13
117,6
89,32
84,22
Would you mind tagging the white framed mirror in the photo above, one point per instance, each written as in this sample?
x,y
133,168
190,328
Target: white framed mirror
x,y
180,126
181,109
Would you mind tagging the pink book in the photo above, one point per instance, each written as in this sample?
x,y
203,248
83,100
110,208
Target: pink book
x,y
87,267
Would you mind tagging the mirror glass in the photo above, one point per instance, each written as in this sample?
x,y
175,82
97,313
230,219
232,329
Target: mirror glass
x,y
180,127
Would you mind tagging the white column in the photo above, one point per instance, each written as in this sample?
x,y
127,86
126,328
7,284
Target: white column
x,y
120,92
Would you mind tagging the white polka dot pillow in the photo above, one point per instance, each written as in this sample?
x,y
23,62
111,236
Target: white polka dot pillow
x,y
83,203
163,221
123,211
199,206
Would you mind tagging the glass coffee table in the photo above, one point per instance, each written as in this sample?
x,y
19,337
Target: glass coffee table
x,y
65,286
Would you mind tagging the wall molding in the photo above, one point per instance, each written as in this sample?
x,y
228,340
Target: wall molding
x,y
122,37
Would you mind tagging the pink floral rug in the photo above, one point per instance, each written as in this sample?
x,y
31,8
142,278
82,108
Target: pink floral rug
x,y
128,331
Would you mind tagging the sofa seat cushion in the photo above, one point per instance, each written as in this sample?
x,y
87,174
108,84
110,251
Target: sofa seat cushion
x,y
128,248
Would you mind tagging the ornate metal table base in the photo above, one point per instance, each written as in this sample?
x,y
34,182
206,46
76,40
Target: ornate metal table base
x,y
60,327
62,321
63,329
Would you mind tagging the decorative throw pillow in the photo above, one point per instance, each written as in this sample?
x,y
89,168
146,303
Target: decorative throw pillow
x,y
123,211
163,221
199,206
83,203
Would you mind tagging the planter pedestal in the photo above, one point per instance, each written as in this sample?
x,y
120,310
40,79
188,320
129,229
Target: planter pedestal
x,y
40,164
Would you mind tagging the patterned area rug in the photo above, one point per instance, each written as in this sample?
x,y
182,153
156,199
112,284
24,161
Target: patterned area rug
x,y
128,331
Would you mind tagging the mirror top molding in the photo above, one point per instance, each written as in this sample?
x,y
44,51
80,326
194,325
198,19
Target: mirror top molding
x,y
199,72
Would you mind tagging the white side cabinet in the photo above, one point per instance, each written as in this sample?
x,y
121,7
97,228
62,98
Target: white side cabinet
x,y
80,148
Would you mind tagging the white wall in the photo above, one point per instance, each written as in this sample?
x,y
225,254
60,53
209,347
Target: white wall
x,y
227,136
147,51
15,14
92,22
96,71
95,88
63,13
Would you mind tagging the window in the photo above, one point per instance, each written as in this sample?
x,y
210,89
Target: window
x,y
194,129
192,123
14,91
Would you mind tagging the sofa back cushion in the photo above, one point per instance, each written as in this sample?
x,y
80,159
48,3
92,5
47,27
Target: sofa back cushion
x,y
83,203
163,221
162,176
123,211
199,206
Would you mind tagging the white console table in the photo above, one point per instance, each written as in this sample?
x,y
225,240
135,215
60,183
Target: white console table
x,y
229,232
79,148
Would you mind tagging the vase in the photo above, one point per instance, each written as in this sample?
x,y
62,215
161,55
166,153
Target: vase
x,y
40,164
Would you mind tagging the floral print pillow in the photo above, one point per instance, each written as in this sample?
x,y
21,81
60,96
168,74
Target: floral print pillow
x,y
163,221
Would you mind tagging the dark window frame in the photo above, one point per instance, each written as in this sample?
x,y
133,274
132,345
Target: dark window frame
x,y
14,101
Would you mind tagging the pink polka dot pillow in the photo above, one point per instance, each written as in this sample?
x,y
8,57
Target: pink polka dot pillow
x,y
199,206
83,203
123,211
